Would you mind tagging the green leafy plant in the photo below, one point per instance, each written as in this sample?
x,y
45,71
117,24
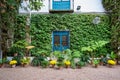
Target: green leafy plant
x,y
76,54
25,61
73,64
60,64
1,63
44,64
57,53
38,60
112,6
60,59
19,47
4,60
18,58
35,62
43,25
8,15
96,62
93,48
80,64
113,56
103,60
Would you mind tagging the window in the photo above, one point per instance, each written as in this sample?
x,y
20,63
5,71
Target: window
x,y
61,5
60,40
57,0
65,40
56,40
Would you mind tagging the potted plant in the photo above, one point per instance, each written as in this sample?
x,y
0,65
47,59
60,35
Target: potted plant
x,y
111,63
59,65
25,61
60,62
103,60
67,63
53,63
96,63
1,63
80,64
44,64
13,63
112,59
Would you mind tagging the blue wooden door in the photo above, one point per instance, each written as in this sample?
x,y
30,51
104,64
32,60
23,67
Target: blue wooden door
x,y
60,40
61,4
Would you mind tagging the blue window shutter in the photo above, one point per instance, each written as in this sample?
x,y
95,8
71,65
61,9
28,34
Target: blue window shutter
x,y
60,40
61,4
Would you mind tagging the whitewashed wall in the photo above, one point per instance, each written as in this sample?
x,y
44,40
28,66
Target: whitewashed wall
x,y
89,5
86,6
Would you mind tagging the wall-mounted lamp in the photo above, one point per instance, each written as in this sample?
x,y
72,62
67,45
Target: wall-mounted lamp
x,y
78,7
96,20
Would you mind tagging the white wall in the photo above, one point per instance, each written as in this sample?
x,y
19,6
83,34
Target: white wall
x,y
86,6
44,9
89,5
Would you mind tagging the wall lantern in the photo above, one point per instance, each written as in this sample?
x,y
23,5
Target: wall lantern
x,y
96,20
78,7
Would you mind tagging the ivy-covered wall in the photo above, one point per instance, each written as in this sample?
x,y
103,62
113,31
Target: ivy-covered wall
x,y
113,9
82,30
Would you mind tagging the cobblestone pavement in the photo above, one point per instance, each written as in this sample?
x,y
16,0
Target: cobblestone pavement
x,y
37,73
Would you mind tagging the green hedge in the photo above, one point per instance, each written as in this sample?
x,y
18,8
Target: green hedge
x,y
82,30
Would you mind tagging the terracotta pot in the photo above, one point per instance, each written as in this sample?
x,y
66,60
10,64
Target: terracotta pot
x,y
1,65
67,66
110,66
13,66
79,67
96,66
24,65
52,66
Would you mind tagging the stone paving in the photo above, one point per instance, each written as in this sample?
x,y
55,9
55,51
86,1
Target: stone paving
x,y
37,73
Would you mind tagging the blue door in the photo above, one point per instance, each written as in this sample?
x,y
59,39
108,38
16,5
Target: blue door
x,y
60,40
61,4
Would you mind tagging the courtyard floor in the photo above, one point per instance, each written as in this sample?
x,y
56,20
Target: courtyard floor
x,y
37,73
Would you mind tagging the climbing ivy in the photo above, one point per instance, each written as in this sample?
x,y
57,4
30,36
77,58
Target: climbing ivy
x,y
113,9
8,14
82,30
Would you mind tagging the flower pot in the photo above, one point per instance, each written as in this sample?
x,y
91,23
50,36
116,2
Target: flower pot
x,y
52,66
24,65
13,66
110,66
59,67
96,66
79,67
1,65
67,66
